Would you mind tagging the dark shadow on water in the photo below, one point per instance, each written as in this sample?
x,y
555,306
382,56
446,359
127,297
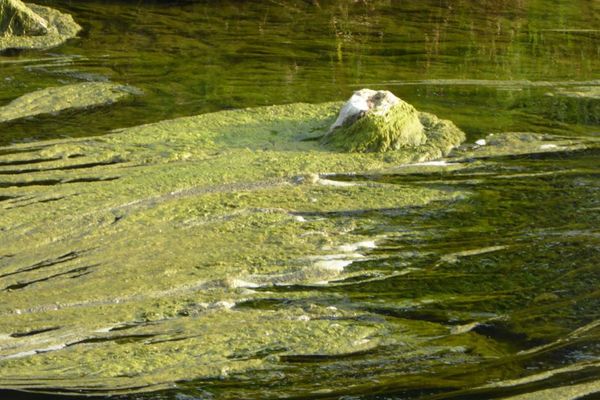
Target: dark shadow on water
x,y
19,395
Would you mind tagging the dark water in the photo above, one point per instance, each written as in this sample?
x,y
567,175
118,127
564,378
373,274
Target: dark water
x,y
499,59
490,66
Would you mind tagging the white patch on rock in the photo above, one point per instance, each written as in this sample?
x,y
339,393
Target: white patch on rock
x,y
362,101
360,342
335,262
329,182
224,304
548,146
480,142
329,257
34,352
239,283
460,329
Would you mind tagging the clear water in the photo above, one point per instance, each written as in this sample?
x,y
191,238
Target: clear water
x,y
490,66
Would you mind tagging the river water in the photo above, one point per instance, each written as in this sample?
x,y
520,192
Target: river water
x,y
489,292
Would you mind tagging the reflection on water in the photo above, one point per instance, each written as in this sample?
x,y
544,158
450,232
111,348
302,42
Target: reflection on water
x,y
194,57
489,292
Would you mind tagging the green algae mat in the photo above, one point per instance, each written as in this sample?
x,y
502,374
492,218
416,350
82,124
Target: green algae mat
x,y
234,255
156,233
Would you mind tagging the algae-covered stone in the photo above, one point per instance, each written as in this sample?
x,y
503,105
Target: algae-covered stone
x,y
55,99
16,19
31,26
378,121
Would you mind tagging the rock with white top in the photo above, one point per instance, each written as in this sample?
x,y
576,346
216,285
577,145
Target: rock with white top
x,y
378,121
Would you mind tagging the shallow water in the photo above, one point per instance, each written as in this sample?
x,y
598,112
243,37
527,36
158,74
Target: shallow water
x,y
486,65
447,281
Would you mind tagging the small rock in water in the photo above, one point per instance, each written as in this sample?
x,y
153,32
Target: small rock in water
x,y
375,121
378,121
548,146
363,101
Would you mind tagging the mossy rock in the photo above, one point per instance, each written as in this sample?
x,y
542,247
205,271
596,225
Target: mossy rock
x,y
16,19
30,26
378,121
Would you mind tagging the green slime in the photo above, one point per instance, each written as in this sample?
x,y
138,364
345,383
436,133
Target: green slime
x,y
170,225
128,261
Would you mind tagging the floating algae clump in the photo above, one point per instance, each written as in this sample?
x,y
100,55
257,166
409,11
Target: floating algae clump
x,y
55,99
30,26
378,121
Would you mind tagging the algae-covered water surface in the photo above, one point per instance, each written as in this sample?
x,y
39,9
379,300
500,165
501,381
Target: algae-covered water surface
x,y
173,226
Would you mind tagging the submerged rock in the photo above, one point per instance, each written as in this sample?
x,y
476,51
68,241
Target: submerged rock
x,y
55,99
565,104
378,121
517,143
30,26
